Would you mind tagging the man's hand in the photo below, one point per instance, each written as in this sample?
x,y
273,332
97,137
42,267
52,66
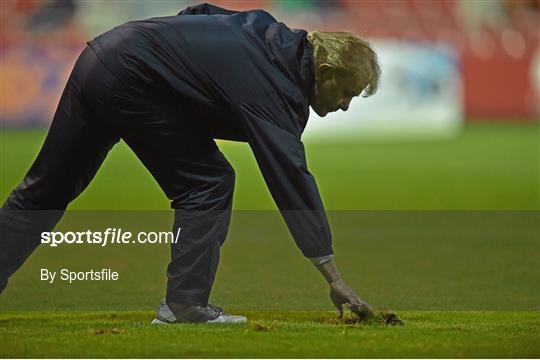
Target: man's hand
x,y
342,294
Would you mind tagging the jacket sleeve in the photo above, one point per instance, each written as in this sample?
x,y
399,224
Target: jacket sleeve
x,y
206,9
281,158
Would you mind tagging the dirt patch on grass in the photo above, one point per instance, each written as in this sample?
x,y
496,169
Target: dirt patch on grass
x,y
380,317
260,326
111,331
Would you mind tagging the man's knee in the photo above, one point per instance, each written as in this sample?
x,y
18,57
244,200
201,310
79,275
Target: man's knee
x,y
212,191
221,187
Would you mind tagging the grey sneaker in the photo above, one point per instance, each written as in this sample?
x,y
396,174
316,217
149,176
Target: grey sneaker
x,y
210,314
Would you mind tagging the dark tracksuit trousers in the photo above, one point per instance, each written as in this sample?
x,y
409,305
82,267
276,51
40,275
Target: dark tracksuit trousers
x,y
94,112
168,86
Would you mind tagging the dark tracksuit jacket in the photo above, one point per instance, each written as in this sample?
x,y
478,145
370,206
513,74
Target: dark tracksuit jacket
x,y
168,87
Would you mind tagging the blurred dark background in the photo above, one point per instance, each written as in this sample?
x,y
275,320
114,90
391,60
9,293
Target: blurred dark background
x,y
496,42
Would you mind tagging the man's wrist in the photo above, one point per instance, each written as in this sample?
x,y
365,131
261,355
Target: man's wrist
x,y
329,270
321,259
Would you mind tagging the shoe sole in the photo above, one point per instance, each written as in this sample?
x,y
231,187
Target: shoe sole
x,y
237,321
232,320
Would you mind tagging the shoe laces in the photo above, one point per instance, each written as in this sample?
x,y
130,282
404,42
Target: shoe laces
x,y
212,310
217,309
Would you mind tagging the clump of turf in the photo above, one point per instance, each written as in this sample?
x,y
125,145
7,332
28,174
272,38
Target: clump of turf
x,y
390,318
362,315
260,326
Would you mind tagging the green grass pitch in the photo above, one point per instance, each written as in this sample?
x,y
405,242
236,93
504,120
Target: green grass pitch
x,y
489,166
465,282
271,334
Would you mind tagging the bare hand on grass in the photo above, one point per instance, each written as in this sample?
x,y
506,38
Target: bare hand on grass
x,y
342,294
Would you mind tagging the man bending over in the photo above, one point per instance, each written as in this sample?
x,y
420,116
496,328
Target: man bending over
x,y
168,87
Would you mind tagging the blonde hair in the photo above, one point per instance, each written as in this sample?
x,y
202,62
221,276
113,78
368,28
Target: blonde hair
x,y
350,54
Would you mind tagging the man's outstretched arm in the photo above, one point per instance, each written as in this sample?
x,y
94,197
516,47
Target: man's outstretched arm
x,y
281,157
